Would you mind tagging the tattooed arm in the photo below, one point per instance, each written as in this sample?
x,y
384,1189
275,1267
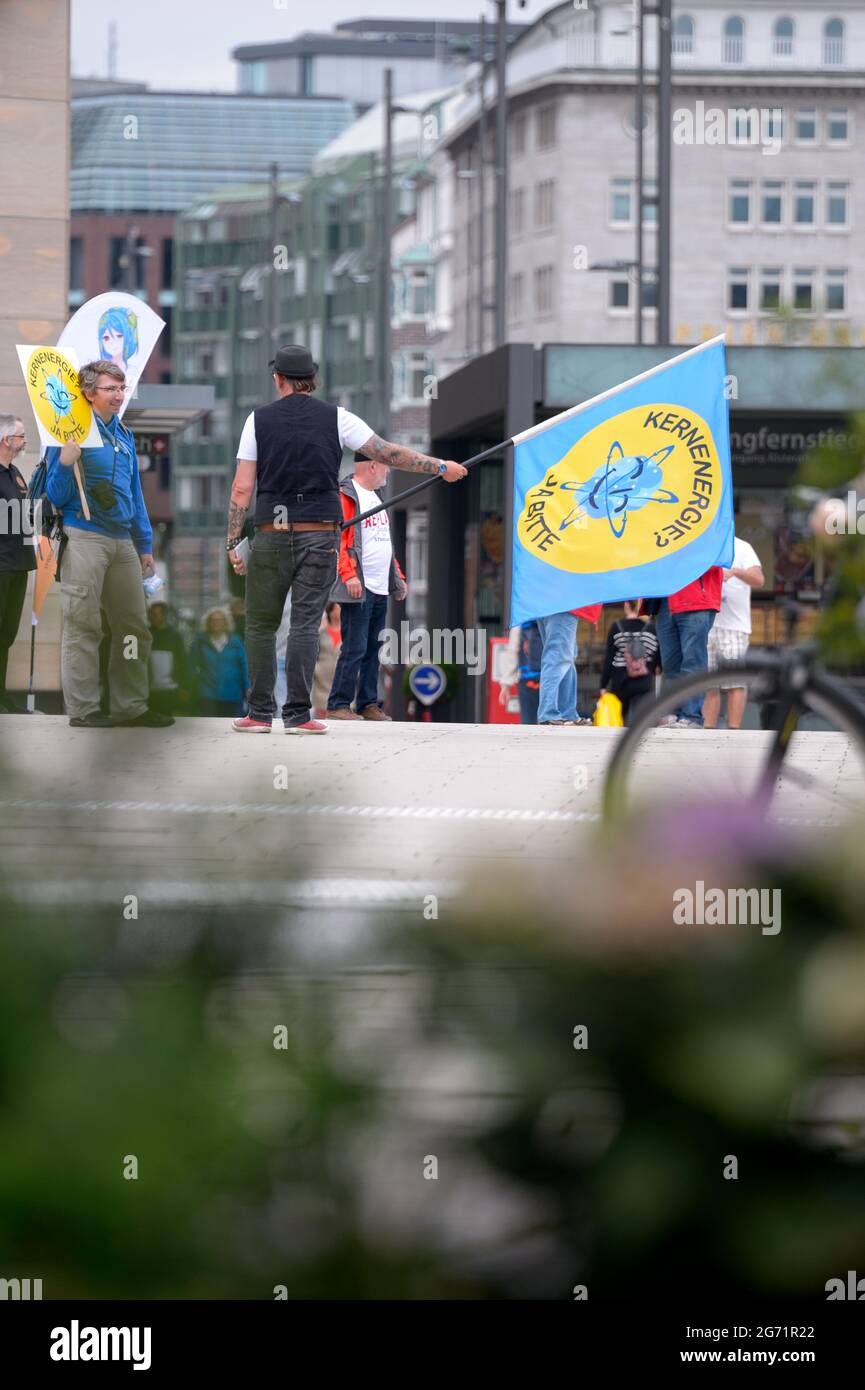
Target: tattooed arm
x,y
399,456
238,507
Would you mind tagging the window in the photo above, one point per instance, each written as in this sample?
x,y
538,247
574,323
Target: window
x,y
737,288
836,291
650,290
734,40
620,201
836,204
803,203
518,205
650,208
770,289
545,192
772,203
740,202
743,125
515,295
76,263
518,137
833,42
803,290
620,293
683,34
546,127
774,124
419,294
782,38
837,126
806,125
167,263
544,290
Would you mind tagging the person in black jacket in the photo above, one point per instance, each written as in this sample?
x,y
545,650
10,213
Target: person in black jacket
x,y
17,556
632,643
290,454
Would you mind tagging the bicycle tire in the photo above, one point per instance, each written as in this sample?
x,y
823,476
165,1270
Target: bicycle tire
x,y
821,694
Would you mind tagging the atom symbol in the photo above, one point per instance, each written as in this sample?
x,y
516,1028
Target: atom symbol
x,y
623,483
58,396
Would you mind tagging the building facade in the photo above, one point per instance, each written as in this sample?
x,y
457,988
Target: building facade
x,y
350,61
767,190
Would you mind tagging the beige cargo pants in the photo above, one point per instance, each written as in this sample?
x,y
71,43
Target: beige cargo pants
x,y
98,573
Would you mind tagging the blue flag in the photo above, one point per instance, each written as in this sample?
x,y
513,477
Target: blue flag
x,y
628,495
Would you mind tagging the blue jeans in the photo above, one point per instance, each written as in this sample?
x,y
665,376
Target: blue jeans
x,y
357,667
558,699
684,642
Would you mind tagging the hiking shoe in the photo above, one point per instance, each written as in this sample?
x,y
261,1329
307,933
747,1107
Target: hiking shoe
x,y
91,721
245,725
548,723
343,713
373,712
148,720
686,724
669,721
312,726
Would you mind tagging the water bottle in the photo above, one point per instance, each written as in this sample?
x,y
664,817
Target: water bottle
x,y
152,584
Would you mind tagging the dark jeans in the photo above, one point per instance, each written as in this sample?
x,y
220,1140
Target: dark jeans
x,y
684,642
305,563
13,587
631,690
357,667
530,694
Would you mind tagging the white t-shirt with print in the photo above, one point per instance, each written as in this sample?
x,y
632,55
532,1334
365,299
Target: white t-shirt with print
x,y
353,434
376,548
735,611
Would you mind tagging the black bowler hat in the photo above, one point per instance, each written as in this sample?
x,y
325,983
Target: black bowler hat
x,y
293,361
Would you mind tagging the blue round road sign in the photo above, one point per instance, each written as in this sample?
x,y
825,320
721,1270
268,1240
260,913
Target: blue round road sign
x,y
427,683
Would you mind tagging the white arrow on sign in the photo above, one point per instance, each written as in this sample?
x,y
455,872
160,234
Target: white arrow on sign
x,y
427,683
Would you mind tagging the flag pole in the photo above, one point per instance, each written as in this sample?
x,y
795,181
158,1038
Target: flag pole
x,y
427,482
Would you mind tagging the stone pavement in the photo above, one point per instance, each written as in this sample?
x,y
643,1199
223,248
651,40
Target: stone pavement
x,y
369,813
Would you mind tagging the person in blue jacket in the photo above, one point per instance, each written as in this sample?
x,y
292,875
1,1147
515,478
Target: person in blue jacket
x,y
105,559
219,664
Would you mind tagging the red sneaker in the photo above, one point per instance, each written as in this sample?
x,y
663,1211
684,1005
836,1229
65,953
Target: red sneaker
x,y
312,726
250,726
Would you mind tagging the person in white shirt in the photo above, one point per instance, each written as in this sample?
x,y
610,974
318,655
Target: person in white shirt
x,y
367,572
731,633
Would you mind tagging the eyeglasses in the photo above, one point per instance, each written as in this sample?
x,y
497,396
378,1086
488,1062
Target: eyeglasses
x,y
112,390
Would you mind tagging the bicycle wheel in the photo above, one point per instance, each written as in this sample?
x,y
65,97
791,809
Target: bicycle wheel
x,y
821,776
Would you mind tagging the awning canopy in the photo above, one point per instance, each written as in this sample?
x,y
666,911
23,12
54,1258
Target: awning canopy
x,y
168,410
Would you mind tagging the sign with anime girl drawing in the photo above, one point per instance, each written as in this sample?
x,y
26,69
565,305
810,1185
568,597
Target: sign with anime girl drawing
x,y
118,327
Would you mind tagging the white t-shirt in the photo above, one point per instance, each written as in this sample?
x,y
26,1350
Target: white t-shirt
x,y
353,434
376,549
735,611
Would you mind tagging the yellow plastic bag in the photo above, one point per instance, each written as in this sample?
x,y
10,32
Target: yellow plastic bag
x,y
608,712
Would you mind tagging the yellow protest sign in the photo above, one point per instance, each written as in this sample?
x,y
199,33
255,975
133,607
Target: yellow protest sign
x,y
63,415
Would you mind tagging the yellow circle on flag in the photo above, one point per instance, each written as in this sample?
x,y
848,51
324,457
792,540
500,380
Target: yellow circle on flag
x,y
639,487
56,397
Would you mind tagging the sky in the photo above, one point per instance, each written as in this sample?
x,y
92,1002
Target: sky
x,y
186,44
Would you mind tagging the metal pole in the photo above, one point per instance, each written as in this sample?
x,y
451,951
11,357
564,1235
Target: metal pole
x,y
385,366
640,118
665,150
482,117
501,173
274,233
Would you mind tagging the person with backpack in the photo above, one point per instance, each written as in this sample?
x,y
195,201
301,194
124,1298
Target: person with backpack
x,y
632,658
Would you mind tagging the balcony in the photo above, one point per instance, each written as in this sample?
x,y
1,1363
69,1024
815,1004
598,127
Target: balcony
x,y
733,51
833,53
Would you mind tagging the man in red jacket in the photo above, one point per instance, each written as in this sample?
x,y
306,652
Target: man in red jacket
x,y
683,625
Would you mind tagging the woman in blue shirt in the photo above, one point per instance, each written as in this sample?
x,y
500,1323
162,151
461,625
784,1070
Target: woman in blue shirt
x,y
219,663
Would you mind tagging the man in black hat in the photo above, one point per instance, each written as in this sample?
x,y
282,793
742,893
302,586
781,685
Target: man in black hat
x,y
291,451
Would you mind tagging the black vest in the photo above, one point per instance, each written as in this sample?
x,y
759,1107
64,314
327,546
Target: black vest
x,y
299,455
